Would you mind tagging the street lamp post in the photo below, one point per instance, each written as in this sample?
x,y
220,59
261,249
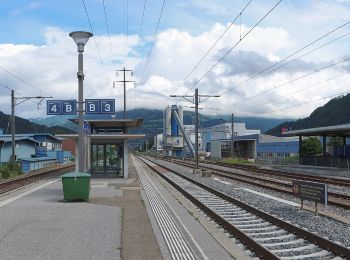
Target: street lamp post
x,y
80,38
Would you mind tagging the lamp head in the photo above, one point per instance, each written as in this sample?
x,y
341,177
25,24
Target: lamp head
x,y
80,38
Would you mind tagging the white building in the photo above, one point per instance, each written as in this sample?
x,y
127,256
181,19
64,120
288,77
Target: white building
x,y
224,132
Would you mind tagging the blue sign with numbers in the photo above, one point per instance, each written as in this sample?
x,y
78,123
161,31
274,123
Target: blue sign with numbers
x,y
107,106
69,107
61,107
54,107
92,106
99,106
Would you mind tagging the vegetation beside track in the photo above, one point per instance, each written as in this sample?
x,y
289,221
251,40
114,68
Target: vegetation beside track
x,y
6,172
235,160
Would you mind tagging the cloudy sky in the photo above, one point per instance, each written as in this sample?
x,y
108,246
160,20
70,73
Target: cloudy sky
x,y
252,68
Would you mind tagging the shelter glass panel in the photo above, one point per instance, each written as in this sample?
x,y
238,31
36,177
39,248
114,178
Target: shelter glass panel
x,y
107,159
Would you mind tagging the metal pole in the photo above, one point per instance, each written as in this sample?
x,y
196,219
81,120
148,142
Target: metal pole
x,y
124,94
196,101
232,133
80,75
13,130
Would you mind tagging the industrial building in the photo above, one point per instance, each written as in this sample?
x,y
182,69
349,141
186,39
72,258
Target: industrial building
x,y
256,146
224,132
178,139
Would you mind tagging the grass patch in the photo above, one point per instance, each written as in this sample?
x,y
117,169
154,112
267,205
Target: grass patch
x,y
235,160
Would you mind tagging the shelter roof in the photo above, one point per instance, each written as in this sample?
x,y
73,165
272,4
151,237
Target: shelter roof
x,y
113,123
336,130
105,137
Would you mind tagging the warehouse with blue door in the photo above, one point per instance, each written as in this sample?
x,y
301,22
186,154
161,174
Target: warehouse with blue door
x,y
34,151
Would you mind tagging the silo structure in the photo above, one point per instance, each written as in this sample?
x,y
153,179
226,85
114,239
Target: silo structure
x,y
180,112
167,121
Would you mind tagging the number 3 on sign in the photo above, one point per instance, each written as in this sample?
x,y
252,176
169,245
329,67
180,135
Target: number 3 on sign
x,y
107,106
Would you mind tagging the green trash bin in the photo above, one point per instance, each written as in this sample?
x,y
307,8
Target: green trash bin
x,y
76,186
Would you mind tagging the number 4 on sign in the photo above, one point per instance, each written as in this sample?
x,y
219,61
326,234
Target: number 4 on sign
x,y
54,107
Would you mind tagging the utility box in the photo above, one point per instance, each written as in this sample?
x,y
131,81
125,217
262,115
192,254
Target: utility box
x,y
76,186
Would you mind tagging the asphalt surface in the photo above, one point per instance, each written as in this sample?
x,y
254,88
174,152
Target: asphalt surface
x,y
40,226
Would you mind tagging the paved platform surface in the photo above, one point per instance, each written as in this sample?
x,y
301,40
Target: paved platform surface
x,y
41,226
117,223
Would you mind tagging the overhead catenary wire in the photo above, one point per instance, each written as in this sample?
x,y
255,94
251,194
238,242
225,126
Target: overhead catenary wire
x,y
154,39
293,80
107,28
141,25
22,80
234,46
92,30
266,71
215,43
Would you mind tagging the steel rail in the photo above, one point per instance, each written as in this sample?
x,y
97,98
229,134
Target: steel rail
x,y
27,178
320,241
335,199
249,242
281,174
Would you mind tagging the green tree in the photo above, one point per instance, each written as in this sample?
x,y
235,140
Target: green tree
x,y
335,141
311,145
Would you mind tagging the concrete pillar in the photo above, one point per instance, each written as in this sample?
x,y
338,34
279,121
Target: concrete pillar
x,y
324,145
125,160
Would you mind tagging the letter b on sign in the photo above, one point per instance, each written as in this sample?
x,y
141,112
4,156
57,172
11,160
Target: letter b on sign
x,y
69,107
92,106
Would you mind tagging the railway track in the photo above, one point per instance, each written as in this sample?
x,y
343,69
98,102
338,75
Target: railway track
x,y
7,185
267,236
334,198
277,173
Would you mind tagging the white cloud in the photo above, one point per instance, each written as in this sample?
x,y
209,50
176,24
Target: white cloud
x,y
51,67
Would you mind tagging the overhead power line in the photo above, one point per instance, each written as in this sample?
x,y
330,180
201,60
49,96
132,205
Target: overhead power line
x,y
308,102
293,80
307,87
154,39
216,42
266,71
234,46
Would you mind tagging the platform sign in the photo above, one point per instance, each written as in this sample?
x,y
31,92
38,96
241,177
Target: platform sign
x,y
54,107
107,106
312,191
99,106
69,107
61,107
92,106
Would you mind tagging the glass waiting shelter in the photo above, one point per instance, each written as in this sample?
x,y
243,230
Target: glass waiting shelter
x,y
106,143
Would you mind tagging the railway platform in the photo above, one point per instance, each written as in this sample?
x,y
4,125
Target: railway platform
x,y
136,218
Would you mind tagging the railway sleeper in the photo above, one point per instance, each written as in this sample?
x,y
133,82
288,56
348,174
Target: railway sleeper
x,y
286,237
257,225
324,254
267,234
257,230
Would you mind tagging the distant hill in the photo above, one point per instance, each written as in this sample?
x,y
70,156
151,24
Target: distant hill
x,y
24,126
153,120
335,112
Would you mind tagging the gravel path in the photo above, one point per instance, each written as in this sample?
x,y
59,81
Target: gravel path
x,y
323,226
